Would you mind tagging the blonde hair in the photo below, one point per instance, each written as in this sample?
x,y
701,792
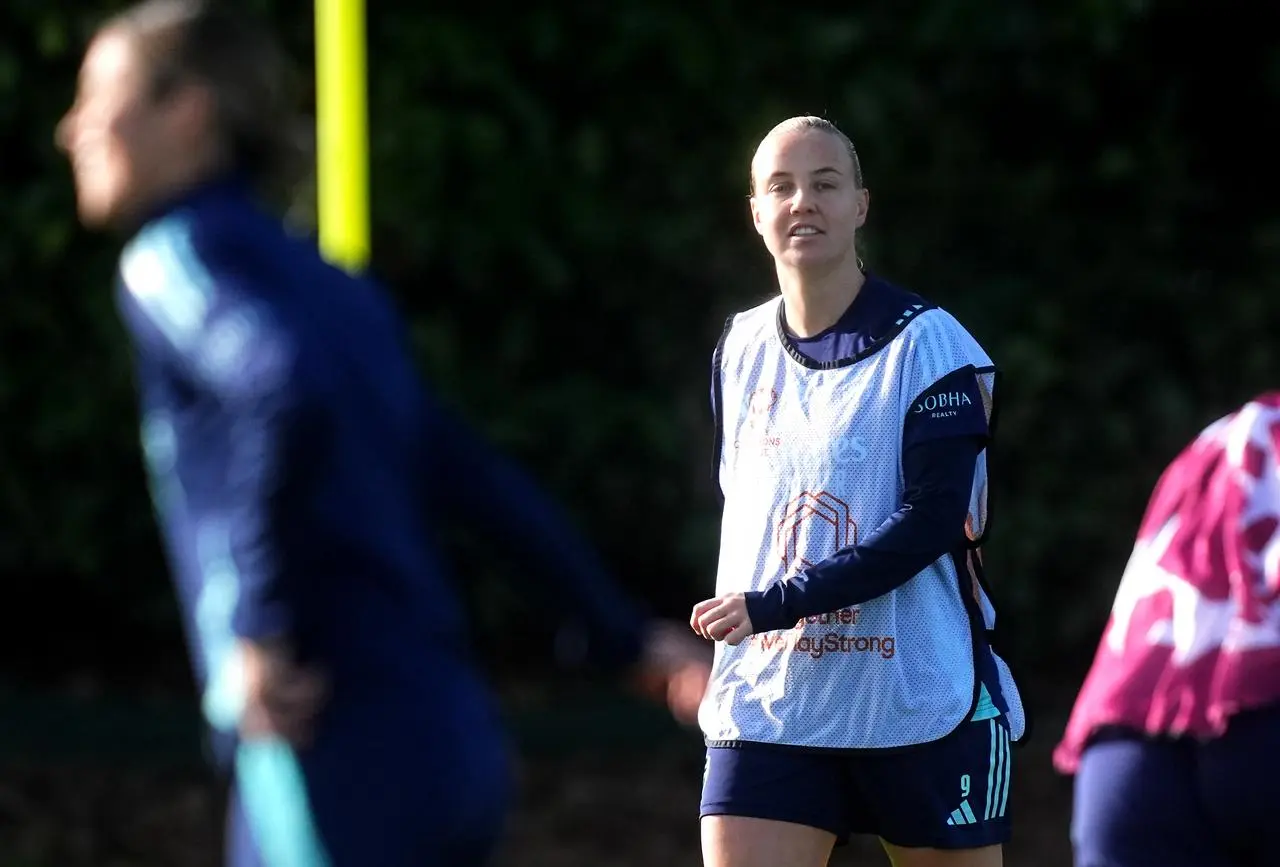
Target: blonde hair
x,y
807,123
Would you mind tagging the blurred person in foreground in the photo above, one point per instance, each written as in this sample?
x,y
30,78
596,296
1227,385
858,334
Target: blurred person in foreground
x,y
1174,740
299,466
855,689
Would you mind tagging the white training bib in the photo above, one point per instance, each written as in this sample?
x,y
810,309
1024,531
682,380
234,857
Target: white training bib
x,y
810,463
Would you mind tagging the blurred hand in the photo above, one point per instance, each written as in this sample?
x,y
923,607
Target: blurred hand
x,y
722,619
675,668
282,699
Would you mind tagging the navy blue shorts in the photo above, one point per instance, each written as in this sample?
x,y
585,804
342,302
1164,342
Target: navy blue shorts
x,y
950,794
1181,803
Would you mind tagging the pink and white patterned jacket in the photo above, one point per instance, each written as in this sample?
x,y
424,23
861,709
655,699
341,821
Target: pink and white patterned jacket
x,y
1194,632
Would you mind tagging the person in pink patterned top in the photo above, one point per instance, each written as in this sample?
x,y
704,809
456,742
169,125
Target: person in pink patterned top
x,y
1174,740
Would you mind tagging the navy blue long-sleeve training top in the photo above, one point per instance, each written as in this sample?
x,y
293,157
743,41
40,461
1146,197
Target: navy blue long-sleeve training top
x,y
300,468
939,458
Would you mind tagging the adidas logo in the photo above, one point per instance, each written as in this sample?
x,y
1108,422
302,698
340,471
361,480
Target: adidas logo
x,y
963,815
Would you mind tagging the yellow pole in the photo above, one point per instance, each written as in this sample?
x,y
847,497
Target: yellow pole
x,y
342,132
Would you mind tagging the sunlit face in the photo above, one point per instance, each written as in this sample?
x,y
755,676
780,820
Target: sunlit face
x,y
119,138
806,204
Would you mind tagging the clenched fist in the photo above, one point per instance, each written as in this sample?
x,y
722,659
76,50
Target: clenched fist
x,y
722,619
